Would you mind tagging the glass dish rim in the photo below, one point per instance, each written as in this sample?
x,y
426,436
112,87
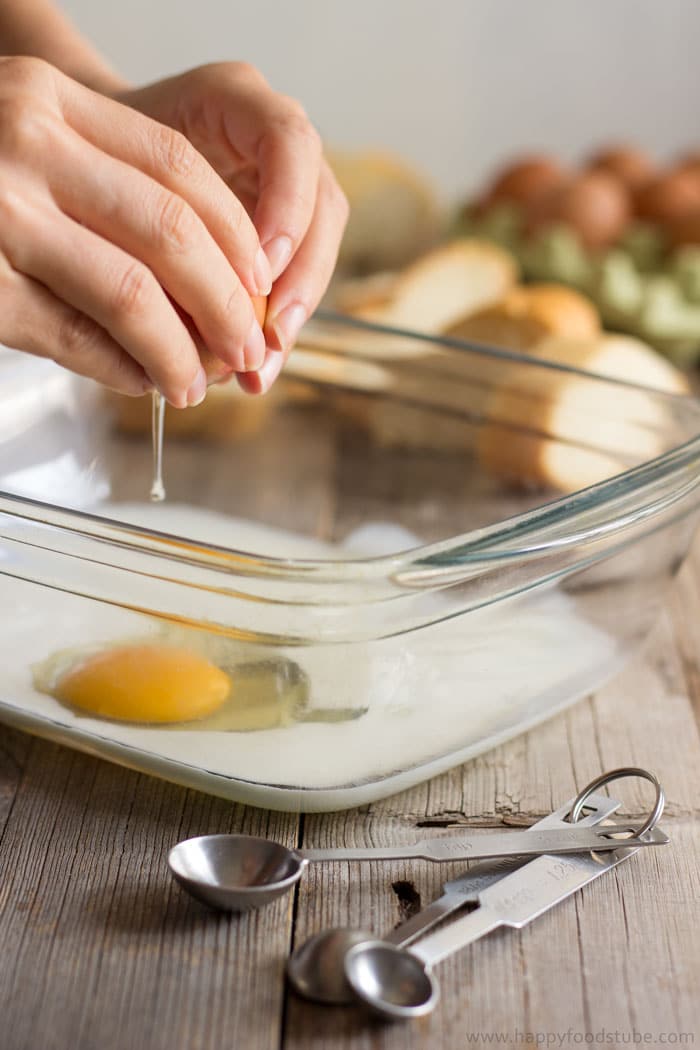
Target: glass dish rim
x,y
484,544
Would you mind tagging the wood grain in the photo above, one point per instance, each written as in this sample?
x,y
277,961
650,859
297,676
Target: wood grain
x,y
99,946
99,950
623,954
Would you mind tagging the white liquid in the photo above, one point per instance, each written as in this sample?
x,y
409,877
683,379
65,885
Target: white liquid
x,y
157,493
450,689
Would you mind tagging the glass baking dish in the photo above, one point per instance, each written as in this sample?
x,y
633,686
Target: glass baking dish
x,y
409,552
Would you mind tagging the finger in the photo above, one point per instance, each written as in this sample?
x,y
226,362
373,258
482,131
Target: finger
x,y
38,323
260,382
103,282
289,160
299,290
169,158
164,232
274,135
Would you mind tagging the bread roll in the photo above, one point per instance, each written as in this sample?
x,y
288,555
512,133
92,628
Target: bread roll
x,y
445,284
566,431
393,211
356,294
529,314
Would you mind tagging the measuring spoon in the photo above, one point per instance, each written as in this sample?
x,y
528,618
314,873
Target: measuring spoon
x,y
236,872
316,969
398,983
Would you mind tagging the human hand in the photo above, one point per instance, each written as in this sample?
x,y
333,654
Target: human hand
x,y
122,253
265,147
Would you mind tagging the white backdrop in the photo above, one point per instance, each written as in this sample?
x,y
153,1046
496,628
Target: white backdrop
x,y
455,85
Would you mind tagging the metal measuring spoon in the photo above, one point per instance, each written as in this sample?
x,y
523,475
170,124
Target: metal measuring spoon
x,y
316,969
236,872
397,983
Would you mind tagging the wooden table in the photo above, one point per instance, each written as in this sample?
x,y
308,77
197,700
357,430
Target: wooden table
x,y
100,949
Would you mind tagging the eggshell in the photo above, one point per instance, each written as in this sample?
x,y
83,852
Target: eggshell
x,y
631,165
670,195
689,162
259,308
684,229
219,371
525,180
596,204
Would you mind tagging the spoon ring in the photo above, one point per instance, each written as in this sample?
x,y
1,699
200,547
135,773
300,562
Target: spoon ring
x,y
619,774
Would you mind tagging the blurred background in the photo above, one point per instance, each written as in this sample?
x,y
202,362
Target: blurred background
x,y
453,85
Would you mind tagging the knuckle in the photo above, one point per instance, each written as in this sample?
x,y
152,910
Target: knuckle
x,y
293,108
77,335
11,313
10,205
234,304
133,291
174,152
246,72
122,373
237,227
7,274
25,126
175,224
295,120
25,72
299,203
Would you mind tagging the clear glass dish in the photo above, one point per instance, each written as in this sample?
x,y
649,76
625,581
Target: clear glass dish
x,y
410,552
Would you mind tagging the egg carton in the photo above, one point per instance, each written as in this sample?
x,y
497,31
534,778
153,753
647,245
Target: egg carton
x,y
638,286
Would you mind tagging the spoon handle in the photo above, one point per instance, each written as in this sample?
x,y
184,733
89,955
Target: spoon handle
x,y
518,899
365,853
466,889
430,916
491,844
536,841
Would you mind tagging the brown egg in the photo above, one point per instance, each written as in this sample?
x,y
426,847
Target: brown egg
x,y
631,165
524,181
595,204
684,229
669,196
689,162
259,308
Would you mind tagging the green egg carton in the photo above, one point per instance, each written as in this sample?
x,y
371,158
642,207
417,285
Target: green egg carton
x,y
639,286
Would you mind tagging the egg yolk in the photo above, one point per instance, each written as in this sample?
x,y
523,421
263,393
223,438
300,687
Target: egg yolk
x,y
146,683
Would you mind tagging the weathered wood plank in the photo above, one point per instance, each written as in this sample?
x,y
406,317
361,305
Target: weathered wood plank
x,y
684,610
100,947
621,955
600,950
14,752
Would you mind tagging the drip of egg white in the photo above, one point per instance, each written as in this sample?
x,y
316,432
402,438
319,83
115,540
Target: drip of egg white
x,y
157,492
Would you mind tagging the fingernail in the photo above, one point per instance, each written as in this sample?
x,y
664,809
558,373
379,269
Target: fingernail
x,y
287,324
262,273
278,252
271,368
254,348
198,390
